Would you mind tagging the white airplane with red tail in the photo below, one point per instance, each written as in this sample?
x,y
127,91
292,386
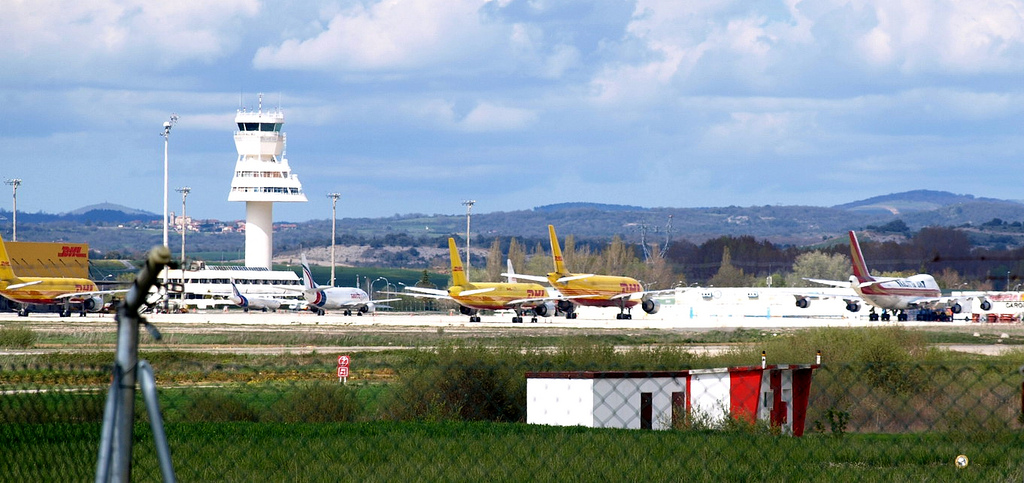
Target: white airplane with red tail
x,y
891,294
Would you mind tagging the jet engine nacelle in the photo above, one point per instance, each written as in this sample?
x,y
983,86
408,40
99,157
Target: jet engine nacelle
x,y
93,304
546,309
853,307
956,308
466,310
367,308
803,302
565,306
986,305
650,306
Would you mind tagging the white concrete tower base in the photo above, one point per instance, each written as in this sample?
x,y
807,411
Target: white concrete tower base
x,y
259,233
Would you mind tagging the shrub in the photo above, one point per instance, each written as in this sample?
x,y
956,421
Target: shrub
x,y
318,403
216,407
17,337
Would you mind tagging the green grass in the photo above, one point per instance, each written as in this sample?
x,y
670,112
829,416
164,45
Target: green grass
x,y
885,406
459,451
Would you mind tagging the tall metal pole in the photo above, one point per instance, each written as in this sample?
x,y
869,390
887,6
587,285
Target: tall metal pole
x,y
14,183
167,134
184,222
469,206
334,220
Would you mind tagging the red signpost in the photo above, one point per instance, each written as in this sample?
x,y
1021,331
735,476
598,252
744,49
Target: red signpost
x,y
343,368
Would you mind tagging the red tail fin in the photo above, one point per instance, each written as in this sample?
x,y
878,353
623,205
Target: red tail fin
x,y
860,268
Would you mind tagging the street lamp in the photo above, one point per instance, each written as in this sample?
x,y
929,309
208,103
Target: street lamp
x,y
167,134
334,220
375,281
14,224
469,207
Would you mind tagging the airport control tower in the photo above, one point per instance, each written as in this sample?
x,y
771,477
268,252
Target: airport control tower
x,y
262,177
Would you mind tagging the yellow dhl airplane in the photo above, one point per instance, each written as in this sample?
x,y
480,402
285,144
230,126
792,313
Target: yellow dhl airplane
x,y
473,297
66,292
594,290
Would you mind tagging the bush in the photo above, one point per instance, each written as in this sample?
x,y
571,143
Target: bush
x,y
17,337
319,403
214,407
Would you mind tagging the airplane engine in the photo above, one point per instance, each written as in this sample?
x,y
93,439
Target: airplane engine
x,y
986,305
546,309
853,307
466,310
650,306
93,304
367,308
803,303
565,306
956,308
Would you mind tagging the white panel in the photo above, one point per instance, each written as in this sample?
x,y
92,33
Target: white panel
x,y
559,402
709,397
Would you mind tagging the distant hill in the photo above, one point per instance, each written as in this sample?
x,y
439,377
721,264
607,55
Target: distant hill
x,y
911,202
588,206
107,207
594,222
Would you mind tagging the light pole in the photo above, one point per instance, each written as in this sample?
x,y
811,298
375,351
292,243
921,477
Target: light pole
x,y
14,223
469,207
184,222
334,220
167,134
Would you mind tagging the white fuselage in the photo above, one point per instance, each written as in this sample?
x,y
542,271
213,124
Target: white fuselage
x,y
254,303
899,294
332,298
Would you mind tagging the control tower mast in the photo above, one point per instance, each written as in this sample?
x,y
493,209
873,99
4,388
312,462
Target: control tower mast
x,y
262,177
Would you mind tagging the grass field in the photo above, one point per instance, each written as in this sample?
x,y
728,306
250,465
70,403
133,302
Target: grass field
x,y
886,406
478,451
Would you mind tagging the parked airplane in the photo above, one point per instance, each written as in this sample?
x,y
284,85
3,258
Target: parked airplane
x,y
249,302
891,294
63,291
594,290
320,299
473,297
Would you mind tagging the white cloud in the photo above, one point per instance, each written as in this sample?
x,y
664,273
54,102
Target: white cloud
x,y
490,117
91,40
388,35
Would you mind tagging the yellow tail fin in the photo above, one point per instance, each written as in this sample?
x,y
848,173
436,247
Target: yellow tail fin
x,y
6,272
556,252
458,273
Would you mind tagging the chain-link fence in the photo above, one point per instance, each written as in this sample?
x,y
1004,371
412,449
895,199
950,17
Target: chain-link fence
x,y
417,416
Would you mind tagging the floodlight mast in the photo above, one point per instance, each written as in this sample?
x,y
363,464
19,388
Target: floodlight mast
x,y
14,214
334,220
469,206
184,190
167,134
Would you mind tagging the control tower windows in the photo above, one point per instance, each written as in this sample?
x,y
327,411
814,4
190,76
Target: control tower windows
x,y
260,126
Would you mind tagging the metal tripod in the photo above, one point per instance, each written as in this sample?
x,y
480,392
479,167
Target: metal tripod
x,y
115,452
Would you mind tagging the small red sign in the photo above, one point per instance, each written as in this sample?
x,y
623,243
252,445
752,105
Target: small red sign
x,y
343,361
343,371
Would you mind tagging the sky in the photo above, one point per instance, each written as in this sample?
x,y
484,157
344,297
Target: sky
x,y
413,106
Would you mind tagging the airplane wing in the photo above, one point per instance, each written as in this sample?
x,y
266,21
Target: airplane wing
x,y
574,277
20,285
532,278
88,294
830,283
430,293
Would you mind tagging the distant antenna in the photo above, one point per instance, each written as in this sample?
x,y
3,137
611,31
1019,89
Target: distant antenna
x,y
643,242
668,237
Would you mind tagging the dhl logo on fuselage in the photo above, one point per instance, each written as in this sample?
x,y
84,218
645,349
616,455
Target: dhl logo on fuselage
x,y
534,293
456,269
73,252
630,287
